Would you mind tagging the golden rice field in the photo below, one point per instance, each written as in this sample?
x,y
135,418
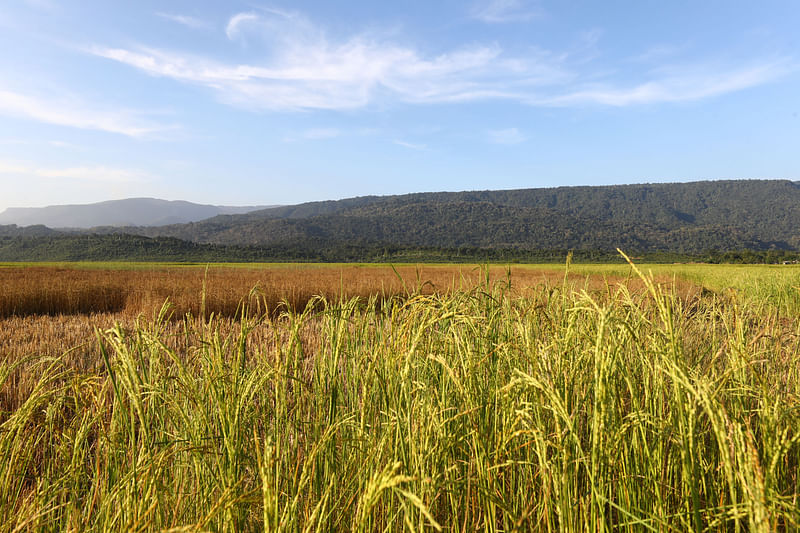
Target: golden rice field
x,y
430,398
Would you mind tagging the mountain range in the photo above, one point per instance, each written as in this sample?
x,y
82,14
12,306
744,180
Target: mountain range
x,y
681,218
128,212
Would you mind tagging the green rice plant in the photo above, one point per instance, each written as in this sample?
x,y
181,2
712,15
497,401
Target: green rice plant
x,y
566,407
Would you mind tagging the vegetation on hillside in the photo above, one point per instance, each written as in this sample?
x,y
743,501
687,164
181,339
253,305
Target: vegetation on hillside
x,y
120,247
677,217
713,221
12,230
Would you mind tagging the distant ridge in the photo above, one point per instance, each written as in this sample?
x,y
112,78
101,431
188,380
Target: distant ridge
x,y
129,212
677,217
694,219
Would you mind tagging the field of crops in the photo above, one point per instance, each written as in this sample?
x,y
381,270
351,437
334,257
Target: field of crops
x,y
360,398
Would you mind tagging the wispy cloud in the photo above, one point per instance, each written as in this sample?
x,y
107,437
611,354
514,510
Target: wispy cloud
x,y
186,20
657,53
26,183
307,71
675,85
98,174
412,146
314,134
64,144
506,136
303,69
74,113
321,133
237,22
54,143
501,11
278,26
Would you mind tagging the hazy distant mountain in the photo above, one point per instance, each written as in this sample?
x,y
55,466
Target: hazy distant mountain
x,y
129,212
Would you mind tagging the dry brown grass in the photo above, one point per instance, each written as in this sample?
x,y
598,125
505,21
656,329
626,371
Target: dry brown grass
x,y
54,312
50,311
30,291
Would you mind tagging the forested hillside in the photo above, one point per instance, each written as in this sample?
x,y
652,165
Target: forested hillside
x,y
678,217
702,219
12,230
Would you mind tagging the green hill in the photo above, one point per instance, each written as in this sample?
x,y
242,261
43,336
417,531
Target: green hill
x,y
677,217
688,219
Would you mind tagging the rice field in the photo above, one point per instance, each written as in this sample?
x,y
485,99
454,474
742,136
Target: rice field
x,y
332,398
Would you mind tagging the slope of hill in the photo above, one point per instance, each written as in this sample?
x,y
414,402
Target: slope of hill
x,y
678,217
12,230
128,212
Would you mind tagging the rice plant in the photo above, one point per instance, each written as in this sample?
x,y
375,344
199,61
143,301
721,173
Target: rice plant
x,y
565,407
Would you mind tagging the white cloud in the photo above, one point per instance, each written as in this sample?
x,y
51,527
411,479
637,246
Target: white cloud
x,y
314,134
97,174
499,11
76,114
186,20
413,146
235,24
506,136
304,70
64,144
32,184
300,68
55,143
276,26
321,133
657,53
675,85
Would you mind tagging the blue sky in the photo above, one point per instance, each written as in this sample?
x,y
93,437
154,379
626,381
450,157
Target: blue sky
x,y
249,103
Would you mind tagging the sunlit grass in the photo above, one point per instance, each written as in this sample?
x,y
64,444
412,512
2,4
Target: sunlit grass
x,y
566,407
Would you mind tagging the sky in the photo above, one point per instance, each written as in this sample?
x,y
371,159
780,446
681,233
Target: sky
x,y
262,103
